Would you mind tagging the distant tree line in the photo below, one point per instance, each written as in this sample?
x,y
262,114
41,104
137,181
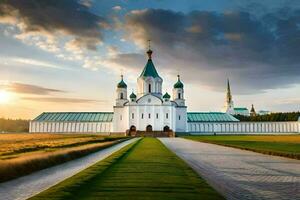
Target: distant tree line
x,y
14,125
273,117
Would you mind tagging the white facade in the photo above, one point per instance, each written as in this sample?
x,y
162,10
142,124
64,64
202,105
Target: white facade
x,y
194,128
149,107
244,128
147,85
70,127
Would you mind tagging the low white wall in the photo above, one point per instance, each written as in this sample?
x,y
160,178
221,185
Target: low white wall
x,y
244,127
193,128
70,127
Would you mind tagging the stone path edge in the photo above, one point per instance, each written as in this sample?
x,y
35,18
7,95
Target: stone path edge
x,y
27,186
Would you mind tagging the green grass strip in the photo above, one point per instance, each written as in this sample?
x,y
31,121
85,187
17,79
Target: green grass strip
x,y
143,170
11,170
284,149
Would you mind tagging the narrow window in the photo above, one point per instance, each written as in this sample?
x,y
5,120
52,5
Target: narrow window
x,y
179,95
149,115
121,97
132,115
149,88
156,115
120,117
179,117
167,115
142,115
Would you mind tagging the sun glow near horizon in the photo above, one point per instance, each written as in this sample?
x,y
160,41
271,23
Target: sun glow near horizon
x,y
5,97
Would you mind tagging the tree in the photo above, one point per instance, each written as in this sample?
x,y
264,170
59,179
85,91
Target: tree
x,y
273,117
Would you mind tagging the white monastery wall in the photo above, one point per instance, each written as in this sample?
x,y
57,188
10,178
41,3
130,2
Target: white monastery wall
x,y
181,119
120,119
70,127
243,127
193,128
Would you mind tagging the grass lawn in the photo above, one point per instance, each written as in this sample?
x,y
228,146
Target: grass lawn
x,y
15,145
280,145
142,170
22,154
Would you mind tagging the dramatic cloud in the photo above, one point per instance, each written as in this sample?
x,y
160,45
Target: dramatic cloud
x,y
134,60
55,17
207,47
116,61
29,89
62,100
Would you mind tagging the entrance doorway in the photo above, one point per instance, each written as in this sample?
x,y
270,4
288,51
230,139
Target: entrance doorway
x,y
132,131
149,128
166,129
132,128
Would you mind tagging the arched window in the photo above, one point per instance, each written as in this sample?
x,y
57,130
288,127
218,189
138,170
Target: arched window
x,y
167,115
179,95
121,95
149,88
149,115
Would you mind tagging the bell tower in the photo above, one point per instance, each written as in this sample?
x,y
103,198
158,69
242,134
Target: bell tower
x,y
178,92
121,93
229,106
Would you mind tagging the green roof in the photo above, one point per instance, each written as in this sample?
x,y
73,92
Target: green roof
x,y
210,117
75,117
178,84
122,84
132,96
149,70
166,96
108,117
240,109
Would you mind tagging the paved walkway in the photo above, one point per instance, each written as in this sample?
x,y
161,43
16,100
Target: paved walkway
x,y
239,174
28,186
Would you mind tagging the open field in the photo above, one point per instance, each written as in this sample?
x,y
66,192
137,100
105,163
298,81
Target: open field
x,y
143,170
21,154
15,145
280,145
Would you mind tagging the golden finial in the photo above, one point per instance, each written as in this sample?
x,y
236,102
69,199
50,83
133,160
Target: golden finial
x,y
149,52
149,45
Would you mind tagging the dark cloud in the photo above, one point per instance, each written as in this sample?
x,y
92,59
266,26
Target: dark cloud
x,y
62,100
259,53
133,60
30,89
68,17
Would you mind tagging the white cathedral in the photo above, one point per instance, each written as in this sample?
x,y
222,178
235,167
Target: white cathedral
x,y
150,111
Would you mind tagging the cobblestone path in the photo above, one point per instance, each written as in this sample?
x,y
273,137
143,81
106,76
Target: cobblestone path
x,y
240,174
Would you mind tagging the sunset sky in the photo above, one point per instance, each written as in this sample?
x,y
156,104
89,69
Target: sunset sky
x,y
67,55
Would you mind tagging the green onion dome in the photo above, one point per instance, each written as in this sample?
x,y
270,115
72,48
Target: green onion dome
x,y
132,96
178,84
122,84
166,96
